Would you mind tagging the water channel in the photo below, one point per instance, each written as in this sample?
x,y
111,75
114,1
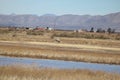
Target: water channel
x,y
59,64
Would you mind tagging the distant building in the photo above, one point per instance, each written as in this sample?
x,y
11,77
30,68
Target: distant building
x,y
81,30
28,28
40,29
50,29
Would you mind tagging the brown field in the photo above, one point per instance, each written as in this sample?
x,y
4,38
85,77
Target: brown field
x,y
70,37
60,51
18,72
88,47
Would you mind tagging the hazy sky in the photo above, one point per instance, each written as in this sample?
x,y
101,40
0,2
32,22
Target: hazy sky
x,y
59,7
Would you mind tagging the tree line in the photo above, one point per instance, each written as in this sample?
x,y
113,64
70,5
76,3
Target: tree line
x,y
100,30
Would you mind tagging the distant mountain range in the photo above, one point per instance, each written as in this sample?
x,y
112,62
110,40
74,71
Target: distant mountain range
x,y
67,21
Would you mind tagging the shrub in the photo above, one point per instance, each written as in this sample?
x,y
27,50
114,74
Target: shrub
x,y
35,32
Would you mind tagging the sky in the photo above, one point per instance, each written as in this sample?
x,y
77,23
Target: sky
x,y
59,7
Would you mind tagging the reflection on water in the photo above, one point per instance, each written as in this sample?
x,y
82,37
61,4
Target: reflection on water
x,y
59,64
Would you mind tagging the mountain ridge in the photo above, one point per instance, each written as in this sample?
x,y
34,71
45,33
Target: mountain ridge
x,y
66,21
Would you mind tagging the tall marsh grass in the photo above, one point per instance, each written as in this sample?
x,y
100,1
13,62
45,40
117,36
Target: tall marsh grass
x,y
53,52
35,73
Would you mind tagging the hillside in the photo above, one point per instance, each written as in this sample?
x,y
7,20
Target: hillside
x,y
67,21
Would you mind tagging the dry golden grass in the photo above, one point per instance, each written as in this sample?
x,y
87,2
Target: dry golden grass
x,y
97,42
43,46
34,73
46,37
58,52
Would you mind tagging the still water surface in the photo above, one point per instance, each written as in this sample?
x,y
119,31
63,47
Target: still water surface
x,y
59,64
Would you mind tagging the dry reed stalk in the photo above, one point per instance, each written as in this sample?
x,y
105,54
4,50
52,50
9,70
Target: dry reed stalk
x,y
34,73
49,52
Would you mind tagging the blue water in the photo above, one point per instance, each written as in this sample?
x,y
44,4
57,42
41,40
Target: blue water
x,y
59,64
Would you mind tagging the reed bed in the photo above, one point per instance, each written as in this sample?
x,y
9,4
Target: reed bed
x,y
20,72
60,53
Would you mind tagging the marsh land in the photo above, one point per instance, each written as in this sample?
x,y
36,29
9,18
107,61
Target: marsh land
x,y
60,45
19,72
